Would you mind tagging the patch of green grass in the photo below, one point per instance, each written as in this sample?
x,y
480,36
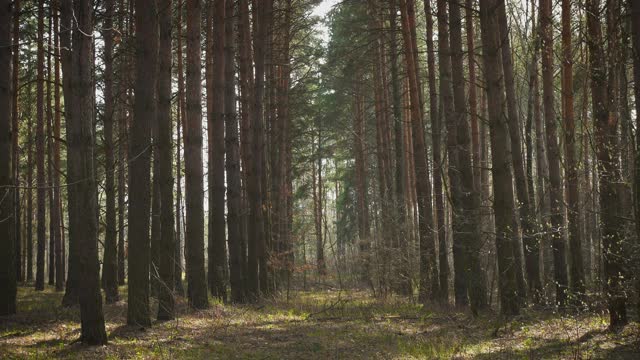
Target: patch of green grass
x,y
311,324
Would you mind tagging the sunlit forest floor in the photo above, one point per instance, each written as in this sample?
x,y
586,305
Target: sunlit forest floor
x,y
313,324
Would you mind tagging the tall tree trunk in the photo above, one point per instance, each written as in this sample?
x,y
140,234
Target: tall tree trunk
x,y
40,152
517,158
635,31
59,229
246,96
180,116
15,165
123,85
423,186
217,250
232,159
110,261
72,285
317,204
404,283
608,172
53,208
532,242
503,196
466,209
382,145
361,183
7,224
438,173
473,102
83,183
553,155
571,168
144,113
194,187
449,118
166,246
257,275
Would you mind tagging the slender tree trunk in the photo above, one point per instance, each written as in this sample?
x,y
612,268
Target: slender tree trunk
x,y
232,159
317,205
503,196
532,242
7,224
466,213
217,250
53,216
361,183
473,102
404,283
83,184
58,228
608,172
513,121
438,173
553,155
194,241
180,116
423,186
144,113
72,285
40,152
246,94
15,165
166,245
257,243
571,169
110,260
635,31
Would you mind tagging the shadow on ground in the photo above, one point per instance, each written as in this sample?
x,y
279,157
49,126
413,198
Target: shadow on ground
x,y
320,324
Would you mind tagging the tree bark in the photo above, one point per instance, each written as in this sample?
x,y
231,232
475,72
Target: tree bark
x,y
257,275
503,203
8,272
15,165
59,229
144,113
72,285
532,242
404,281
635,31
40,152
217,251
608,172
180,116
361,183
53,215
83,183
466,198
166,245
194,187
553,156
513,121
246,96
110,260
423,186
438,173
473,102
232,159
571,168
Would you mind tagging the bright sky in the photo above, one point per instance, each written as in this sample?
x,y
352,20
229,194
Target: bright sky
x,y
321,10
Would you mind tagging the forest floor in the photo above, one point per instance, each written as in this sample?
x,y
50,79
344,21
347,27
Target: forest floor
x,y
315,324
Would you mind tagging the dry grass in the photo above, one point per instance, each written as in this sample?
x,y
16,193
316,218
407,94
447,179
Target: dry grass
x,y
319,324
